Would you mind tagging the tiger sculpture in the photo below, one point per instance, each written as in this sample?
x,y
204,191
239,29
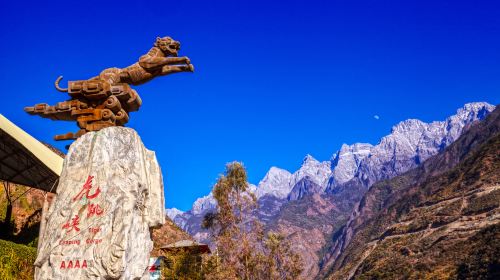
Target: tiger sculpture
x,y
106,100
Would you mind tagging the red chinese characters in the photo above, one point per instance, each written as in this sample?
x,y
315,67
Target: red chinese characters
x,y
94,209
69,226
86,190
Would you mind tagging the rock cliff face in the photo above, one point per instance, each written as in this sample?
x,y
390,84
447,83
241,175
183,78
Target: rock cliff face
x,y
110,194
440,219
347,161
303,187
341,181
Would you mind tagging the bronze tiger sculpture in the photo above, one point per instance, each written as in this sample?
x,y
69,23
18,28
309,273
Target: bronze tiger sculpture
x,y
107,99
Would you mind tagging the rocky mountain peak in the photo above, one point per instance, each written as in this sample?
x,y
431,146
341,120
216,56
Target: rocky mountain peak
x,y
466,115
203,204
309,160
275,172
173,212
346,161
409,125
317,171
455,189
304,187
251,188
412,142
357,149
473,111
276,183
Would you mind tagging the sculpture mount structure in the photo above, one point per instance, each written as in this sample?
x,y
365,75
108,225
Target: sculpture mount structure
x,y
106,100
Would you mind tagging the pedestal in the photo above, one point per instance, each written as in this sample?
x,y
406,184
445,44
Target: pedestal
x,y
109,195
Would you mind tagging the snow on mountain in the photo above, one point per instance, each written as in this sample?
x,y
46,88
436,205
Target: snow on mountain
x,y
346,161
279,182
312,177
190,221
410,143
318,172
203,204
469,113
173,212
252,188
276,183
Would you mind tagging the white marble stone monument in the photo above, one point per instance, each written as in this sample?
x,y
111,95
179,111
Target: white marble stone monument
x,y
109,195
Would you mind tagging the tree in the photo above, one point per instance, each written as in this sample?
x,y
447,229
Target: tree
x,y
242,251
282,262
181,265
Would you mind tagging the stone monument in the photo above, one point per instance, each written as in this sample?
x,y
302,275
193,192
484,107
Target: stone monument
x,y
110,193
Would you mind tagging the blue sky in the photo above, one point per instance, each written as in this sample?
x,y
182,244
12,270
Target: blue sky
x,y
274,81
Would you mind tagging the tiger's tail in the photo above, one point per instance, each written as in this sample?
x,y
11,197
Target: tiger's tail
x,y
56,84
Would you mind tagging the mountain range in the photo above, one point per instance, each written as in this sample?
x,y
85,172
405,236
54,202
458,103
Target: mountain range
x,y
312,205
437,221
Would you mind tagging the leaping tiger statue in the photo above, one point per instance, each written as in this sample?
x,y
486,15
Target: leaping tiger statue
x,y
106,100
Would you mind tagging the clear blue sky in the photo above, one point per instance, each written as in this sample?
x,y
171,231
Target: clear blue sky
x,y
274,81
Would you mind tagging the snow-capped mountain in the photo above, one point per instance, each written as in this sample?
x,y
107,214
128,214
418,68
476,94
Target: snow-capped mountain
x,y
410,143
318,172
275,183
173,212
203,204
347,160
418,210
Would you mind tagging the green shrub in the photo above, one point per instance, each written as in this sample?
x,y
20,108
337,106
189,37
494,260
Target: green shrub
x,y
16,261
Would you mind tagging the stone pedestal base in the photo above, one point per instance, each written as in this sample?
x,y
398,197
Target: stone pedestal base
x,y
109,194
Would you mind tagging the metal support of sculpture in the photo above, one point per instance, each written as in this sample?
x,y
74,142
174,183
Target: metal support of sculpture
x,y
106,100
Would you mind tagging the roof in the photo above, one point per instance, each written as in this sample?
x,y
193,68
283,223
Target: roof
x,y
187,245
25,160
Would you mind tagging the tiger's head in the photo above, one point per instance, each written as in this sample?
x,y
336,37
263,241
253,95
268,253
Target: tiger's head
x,y
168,46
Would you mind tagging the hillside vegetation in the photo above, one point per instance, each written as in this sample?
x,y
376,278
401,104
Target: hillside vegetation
x,y
16,261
